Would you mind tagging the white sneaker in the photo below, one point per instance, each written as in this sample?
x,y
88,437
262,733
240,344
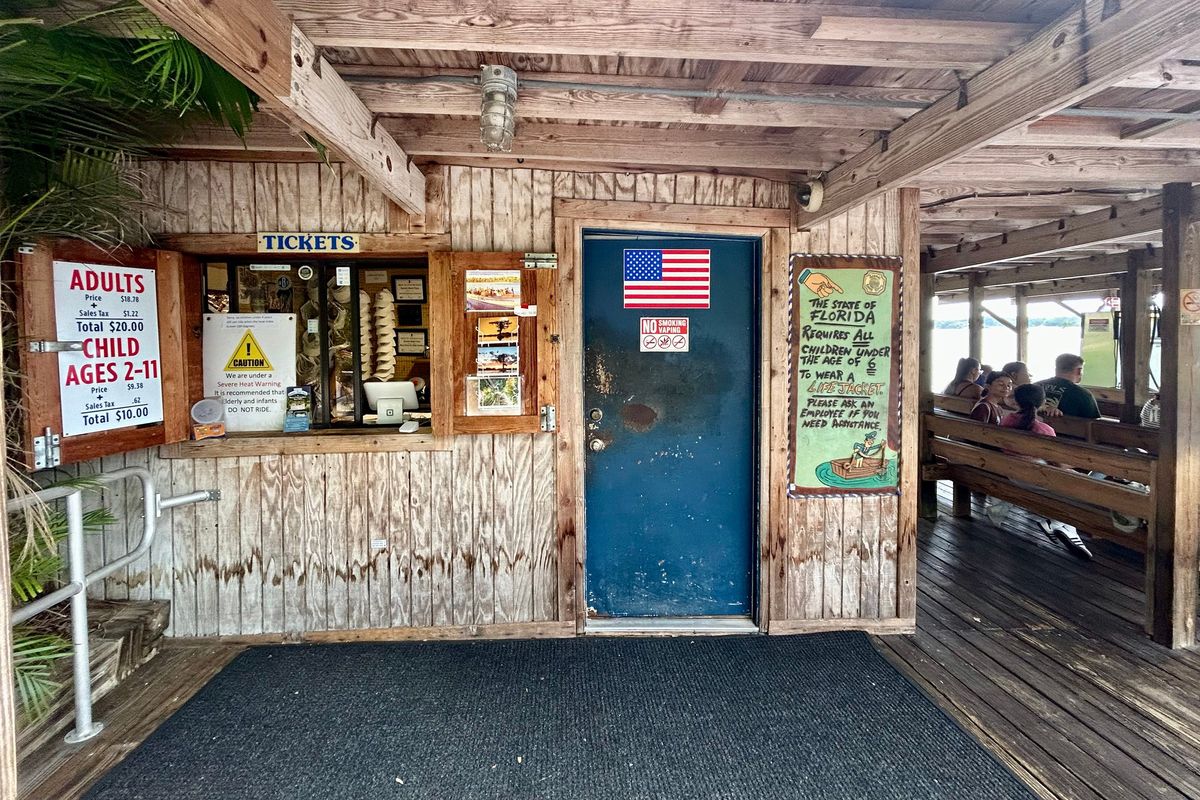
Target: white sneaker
x,y
1071,540
997,512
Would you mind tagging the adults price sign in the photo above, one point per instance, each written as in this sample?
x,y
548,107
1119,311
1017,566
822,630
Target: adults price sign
x,y
114,381
664,335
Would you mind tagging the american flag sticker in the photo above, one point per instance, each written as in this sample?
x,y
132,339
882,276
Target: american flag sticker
x,y
666,278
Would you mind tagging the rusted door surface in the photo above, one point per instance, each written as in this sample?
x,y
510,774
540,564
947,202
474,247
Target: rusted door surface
x,y
670,400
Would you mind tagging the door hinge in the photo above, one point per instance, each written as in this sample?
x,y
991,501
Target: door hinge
x,y
540,261
55,347
46,450
549,419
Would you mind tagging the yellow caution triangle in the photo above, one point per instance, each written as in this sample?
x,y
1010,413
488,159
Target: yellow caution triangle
x,y
248,356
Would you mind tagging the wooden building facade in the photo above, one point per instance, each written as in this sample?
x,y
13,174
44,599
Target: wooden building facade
x,y
317,537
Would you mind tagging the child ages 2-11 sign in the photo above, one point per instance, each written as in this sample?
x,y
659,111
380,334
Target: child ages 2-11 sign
x,y
114,381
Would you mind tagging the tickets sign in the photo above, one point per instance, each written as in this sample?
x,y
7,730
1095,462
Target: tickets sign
x,y
293,242
114,381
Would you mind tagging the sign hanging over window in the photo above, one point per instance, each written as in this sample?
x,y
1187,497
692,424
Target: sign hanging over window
x,y
845,375
300,242
114,381
249,362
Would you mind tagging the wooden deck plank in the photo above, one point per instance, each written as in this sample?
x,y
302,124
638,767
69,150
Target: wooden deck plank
x,y
1043,658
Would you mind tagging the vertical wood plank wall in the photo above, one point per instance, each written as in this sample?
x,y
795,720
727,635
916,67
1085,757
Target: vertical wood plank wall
x,y
467,532
850,559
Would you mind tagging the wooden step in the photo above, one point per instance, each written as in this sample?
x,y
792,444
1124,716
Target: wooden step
x,y
124,636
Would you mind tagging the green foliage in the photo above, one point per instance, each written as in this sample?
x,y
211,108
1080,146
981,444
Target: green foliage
x,y
83,97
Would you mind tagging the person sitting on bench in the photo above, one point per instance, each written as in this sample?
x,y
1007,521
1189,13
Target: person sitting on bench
x,y
991,407
964,384
1031,398
1019,372
1063,391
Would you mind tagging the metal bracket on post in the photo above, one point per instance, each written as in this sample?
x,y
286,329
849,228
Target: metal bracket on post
x,y
540,261
549,419
47,451
55,347
199,496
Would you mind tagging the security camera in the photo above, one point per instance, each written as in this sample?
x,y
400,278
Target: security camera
x,y
810,196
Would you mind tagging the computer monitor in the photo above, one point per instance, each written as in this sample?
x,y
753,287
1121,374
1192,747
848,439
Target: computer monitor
x,y
391,390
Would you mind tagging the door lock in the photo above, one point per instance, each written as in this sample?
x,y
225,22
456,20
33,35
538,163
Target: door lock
x,y
597,445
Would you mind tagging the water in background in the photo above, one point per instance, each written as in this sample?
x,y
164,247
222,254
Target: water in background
x,y
1000,347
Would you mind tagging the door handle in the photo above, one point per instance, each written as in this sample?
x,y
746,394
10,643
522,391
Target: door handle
x,y
596,445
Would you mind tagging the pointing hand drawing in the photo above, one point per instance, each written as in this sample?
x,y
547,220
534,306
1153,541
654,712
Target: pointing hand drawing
x,y
821,285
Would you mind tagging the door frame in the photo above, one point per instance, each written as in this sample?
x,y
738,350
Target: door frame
x,y
772,228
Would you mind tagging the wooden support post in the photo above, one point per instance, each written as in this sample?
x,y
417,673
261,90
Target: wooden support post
x,y
928,497
1136,287
962,500
975,320
8,710
1171,556
1021,296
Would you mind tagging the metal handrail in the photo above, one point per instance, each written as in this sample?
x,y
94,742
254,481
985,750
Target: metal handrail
x,y
76,588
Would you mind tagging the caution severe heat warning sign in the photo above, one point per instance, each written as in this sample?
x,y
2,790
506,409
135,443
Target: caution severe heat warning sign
x,y
249,361
248,356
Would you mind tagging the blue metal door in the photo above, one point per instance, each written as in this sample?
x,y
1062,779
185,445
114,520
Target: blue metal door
x,y
671,436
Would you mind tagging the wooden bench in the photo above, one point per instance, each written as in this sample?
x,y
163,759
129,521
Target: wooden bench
x,y
996,461
1101,431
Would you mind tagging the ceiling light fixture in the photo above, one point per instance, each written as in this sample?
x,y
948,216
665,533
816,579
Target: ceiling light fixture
x,y
498,113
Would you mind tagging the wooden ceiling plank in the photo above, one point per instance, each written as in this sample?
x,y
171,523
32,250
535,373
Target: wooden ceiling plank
x,y
1075,166
917,31
1073,132
1082,53
441,98
263,50
734,30
1171,73
1152,128
1121,221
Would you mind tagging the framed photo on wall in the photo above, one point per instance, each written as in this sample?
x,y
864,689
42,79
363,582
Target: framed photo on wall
x,y
409,288
412,342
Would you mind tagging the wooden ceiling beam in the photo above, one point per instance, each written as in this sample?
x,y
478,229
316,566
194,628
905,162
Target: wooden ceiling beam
x,y
1077,166
1170,73
262,49
794,152
1059,269
1075,132
725,76
1084,52
733,30
442,98
918,31
1044,213
901,95
1051,290
1119,222
1151,129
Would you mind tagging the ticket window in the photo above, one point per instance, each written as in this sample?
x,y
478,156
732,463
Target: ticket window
x,y
356,324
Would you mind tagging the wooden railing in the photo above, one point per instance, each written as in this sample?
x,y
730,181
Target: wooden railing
x,y
1001,462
